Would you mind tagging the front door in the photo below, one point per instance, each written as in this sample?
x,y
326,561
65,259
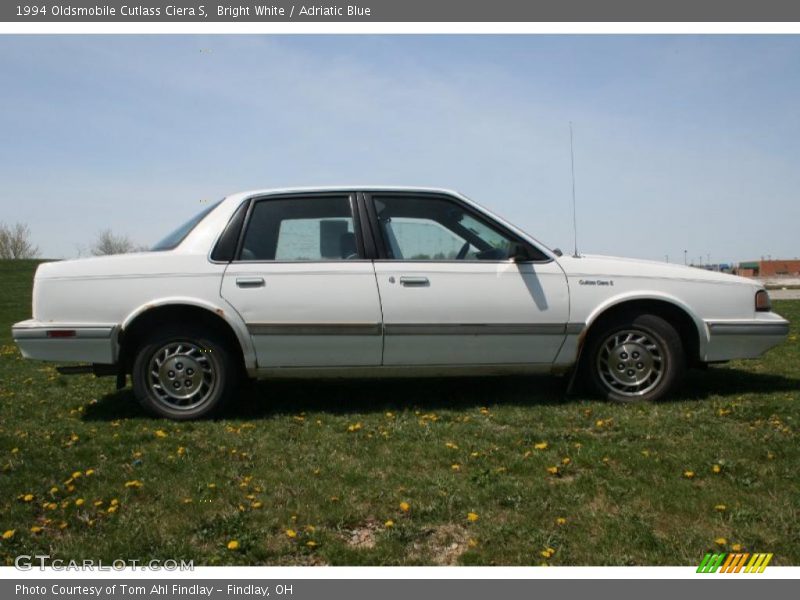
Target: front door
x,y
452,292
302,285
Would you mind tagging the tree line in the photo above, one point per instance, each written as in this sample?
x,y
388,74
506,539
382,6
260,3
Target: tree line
x,y
16,243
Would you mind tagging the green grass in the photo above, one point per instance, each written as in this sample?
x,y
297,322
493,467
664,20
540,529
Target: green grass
x,y
334,461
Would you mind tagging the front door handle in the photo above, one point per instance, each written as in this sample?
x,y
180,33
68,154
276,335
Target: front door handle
x,y
250,282
414,281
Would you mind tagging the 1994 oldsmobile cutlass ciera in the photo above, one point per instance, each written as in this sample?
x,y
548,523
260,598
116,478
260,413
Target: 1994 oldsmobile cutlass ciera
x,y
375,281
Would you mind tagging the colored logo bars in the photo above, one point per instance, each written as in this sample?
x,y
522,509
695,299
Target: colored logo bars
x,y
733,563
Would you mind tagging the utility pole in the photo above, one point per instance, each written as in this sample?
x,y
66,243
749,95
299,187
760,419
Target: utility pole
x,y
685,259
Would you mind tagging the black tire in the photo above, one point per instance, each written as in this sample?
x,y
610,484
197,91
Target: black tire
x,y
177,356
634,358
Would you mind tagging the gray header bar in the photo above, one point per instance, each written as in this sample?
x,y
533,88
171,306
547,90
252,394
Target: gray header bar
x,y
704,586
400,10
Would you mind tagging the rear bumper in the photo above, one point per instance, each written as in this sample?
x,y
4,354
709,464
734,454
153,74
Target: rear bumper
x,y
91,342
732,339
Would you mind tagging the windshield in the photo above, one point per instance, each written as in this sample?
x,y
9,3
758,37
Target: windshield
x,y
176,236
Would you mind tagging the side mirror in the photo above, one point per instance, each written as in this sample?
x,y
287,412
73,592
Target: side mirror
x,y
558,252
519,253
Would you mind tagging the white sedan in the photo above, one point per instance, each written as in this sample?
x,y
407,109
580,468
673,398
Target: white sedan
x,y
374,281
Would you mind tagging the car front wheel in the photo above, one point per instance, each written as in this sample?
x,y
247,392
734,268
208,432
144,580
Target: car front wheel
x,y
635,358
183,374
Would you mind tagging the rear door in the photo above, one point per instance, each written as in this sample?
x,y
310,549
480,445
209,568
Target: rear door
x,y
302,284
452,292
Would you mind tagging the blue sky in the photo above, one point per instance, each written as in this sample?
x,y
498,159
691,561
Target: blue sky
x,y
681,142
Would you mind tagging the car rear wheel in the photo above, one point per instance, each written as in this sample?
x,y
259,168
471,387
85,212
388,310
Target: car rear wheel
x,y
183,374
635,358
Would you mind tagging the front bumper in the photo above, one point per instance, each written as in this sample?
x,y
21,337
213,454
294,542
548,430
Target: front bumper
x,y
91,342
744,338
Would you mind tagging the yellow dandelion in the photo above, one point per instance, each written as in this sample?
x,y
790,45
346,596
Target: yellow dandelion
x,y
716,468
133,484
27,498
291,533
77,475
9,534
114,502
553,470
36,529
160,433
181,451
455,467
311,544
54,490
474,454
720,541
472,543
233,545
720,507
212,486
257,505
484,411
561,521
736,547
688,474
540,446
451,445
354,427
187,500
566,460
98,503
112,509
79,502
405,506
389,524
472,517
63,525
51,506
89,472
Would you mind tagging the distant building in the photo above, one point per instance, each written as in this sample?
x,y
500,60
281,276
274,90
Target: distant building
x,y
769,268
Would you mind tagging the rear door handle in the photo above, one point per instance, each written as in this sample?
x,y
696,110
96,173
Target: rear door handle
x,y
414,281
250,282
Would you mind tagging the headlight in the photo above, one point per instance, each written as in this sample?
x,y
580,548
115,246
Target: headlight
x,y
763,303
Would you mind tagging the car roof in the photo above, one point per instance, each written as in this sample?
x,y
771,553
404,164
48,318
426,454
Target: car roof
x,y
345,188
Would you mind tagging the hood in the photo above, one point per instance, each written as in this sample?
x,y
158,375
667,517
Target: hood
x,y
590,265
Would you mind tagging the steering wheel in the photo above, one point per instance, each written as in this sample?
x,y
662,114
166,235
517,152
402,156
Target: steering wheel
x,y
462,253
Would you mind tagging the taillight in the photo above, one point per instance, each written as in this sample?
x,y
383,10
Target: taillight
x,y
60,333
762,301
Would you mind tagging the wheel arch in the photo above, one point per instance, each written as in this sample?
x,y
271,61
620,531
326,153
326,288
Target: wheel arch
x,y
187,310
691,328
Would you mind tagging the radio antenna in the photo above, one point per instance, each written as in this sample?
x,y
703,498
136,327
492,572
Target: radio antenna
x,y
574,209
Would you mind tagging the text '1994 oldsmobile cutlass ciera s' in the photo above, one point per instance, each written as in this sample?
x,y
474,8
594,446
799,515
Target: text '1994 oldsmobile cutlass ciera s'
x,y
376,281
